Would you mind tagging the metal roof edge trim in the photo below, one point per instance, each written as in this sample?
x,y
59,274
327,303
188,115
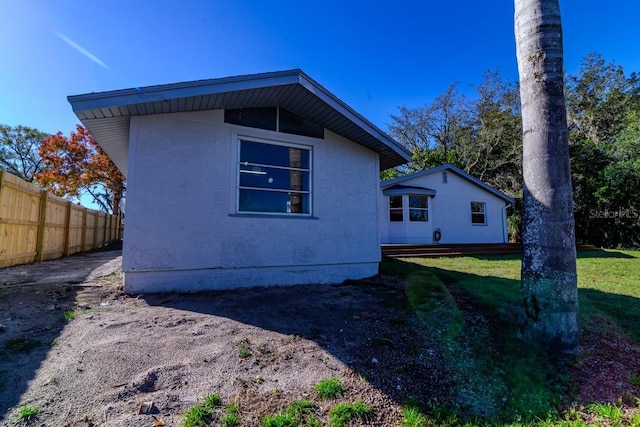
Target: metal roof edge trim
x,y
340,106
129,96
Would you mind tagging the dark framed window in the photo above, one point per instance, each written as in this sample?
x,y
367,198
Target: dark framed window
x,y
395,209
274,178
478,213
275,119
261,118
418,208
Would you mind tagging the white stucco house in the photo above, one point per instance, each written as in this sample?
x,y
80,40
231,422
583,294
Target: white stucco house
x,y
443,202
264,179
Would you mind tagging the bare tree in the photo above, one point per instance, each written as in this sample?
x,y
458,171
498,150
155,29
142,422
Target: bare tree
x,y
549,281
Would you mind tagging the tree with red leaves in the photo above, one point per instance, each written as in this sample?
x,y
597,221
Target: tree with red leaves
x,y
76,165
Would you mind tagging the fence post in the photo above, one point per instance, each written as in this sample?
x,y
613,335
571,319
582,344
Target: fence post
x,y
67,229
104,231
42,223
94,245
84,230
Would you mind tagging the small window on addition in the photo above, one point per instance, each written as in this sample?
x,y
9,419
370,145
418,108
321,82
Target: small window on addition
x,y
395,209
418,208
478,213
444,177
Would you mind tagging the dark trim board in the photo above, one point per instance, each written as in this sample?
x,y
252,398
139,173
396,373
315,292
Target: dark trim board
x,y
461,249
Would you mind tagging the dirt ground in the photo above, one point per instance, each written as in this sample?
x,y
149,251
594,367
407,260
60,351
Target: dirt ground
x,y
259,348
174,349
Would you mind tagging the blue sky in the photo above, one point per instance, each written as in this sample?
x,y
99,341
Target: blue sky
x,y
374,58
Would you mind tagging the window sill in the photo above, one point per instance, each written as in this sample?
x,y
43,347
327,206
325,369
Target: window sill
x,y
279,216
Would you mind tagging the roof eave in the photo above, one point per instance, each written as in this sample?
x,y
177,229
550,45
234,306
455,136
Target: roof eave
x,y
98,109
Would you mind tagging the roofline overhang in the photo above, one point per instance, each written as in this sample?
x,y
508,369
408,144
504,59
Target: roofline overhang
x,y
409,190
98,108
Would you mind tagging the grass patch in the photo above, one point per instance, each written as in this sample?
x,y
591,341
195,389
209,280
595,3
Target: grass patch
x,y
69,314
198,416
344,413
515,382
28,413
412,417
298,413
21,345
432,302
329,388
201,415
231,417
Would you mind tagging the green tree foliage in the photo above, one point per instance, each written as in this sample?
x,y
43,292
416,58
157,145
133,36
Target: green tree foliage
x,y
19,151
603,106
482,135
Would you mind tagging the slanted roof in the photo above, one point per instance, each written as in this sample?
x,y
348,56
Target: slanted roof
x,y
396,190
385,185
107,114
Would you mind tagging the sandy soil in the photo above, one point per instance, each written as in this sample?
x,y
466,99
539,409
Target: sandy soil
x,y
259,348
174,349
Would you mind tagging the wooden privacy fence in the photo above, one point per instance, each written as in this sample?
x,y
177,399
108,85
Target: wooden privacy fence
x,y
36,225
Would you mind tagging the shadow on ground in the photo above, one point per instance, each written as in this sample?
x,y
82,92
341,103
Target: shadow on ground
x,y
33,300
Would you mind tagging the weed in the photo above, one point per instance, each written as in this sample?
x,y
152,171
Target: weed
x,y
300,409
231,409
21,345
243,348
279,420
413,417
212,400
54,342
28,413
606,410
344,413
312,421
69,314
329,388
230,420
201,415
198,416
259,379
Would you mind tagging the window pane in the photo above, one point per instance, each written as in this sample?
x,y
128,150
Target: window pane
x,y
477,207
419,215
273,178
273,201
418,202
395,215
291,123
477,218
261,118
395,202
276,155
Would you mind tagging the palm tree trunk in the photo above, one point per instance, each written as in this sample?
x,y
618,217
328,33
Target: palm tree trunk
x,y
549,282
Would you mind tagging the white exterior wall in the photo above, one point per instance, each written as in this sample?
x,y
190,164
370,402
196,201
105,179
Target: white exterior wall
x,y
182,229
450,211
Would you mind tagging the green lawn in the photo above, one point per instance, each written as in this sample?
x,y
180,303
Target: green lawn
x,y
499,377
